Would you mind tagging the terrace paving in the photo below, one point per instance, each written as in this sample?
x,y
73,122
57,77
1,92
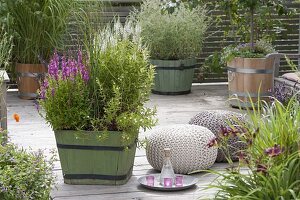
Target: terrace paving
x,y
33,133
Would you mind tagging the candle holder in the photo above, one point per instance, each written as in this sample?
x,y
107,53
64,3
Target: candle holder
x,y
150,180
179,181
168,182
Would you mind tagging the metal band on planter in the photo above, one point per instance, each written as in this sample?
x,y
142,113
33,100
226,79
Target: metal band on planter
x,y
31,75
97,148
98,176
181,67
250,71
28,95
171,93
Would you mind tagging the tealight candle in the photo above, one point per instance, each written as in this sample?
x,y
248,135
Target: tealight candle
x,y
179,181
150,180
168,182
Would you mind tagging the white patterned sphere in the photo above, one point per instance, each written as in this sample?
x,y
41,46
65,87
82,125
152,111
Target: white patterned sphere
x,y
188,144
213,120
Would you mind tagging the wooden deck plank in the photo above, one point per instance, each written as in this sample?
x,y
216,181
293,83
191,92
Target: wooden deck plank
x,y
33,133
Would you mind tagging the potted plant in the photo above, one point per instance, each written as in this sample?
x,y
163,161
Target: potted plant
x,y
174,36
5,56
96,106
38,28
250,68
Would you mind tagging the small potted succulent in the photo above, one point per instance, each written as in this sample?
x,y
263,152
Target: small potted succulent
x,y
96,106
174,35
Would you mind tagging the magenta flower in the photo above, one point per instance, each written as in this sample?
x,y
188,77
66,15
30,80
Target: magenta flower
x,y
54,66
224,131
274,151
213,142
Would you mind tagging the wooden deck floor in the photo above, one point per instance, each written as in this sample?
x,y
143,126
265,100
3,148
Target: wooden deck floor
x,y
33,133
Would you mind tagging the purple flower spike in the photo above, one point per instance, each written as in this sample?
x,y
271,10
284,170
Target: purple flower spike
x,y
274,151
53,66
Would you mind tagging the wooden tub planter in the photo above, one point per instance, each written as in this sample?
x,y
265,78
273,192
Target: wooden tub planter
x,y
28,79
173,77
86,160
250,78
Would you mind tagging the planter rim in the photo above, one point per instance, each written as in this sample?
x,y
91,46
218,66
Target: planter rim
x,y
17,63
188,59
264,58
89,132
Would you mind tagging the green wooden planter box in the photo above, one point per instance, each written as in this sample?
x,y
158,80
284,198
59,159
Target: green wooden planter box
x,y
173,77
87,160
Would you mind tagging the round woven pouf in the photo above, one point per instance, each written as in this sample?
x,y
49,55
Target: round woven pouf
x,y
214,120
188,144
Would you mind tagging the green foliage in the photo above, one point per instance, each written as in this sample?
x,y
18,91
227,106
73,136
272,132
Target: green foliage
x,y
5,48
240,13
260,50
109,93
38,26
65,95
121,81
172,35
282,182
67,104
24,175
269,166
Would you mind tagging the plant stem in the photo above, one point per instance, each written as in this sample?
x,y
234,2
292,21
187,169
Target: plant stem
x,y
252,29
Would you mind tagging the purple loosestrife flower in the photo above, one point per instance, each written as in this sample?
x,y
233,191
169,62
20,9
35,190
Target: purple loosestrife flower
x,y
45,84
64,68
274,151
85,76
53,66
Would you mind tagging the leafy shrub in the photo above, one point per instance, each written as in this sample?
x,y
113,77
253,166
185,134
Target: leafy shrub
x,y
106,95
64,93
272,155
24,175
260,50
121,80
172,35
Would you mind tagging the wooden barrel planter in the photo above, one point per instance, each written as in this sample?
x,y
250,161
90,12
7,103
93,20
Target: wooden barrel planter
x,y
85,160
248,79
173,77
28,79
